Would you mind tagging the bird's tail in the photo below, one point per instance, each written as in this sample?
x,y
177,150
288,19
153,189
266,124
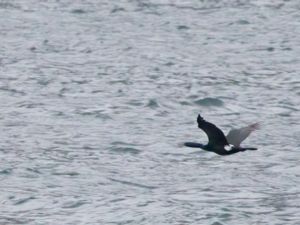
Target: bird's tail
x,y
248,148
193,145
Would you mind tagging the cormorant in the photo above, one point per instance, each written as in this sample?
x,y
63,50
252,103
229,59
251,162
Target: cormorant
x,y
218,143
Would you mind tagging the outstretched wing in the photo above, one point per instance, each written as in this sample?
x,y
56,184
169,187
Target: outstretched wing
x,y
237,136
215,136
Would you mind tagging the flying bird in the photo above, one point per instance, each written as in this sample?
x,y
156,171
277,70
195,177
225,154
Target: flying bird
x,y
221,144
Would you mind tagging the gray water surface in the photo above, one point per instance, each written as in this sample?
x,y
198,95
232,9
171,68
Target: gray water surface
x,y
97,97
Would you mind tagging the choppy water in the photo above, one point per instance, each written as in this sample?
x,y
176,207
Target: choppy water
x,y
98,96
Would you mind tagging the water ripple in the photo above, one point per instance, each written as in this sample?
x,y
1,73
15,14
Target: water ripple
x,y
97,99
133,184
209,102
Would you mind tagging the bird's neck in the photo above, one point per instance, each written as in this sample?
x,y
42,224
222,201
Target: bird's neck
x,y
194,145
207,147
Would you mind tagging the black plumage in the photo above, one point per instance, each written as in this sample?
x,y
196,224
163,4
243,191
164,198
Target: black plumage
x,y
217,142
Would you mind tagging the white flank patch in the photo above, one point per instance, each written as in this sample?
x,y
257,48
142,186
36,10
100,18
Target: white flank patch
x,y
228,147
